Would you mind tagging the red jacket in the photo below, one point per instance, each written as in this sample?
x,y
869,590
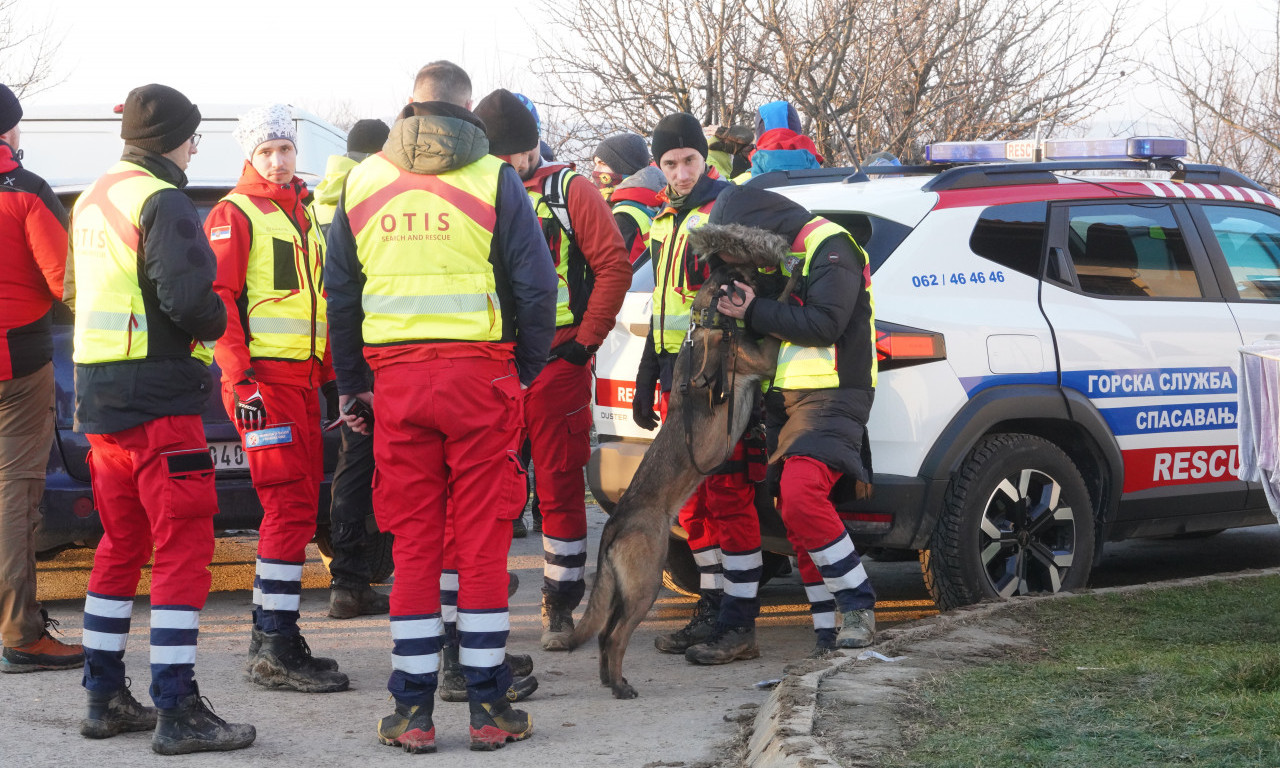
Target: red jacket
x,y
33,255
232,350
601,244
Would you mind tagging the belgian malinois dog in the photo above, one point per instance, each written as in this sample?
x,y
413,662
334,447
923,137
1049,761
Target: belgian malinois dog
x,y
717,374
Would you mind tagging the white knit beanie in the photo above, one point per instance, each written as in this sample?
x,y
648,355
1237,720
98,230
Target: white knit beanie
x,y
263,124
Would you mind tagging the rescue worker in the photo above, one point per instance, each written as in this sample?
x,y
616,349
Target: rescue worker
x,y
273,359
634,198
729,149
33,241
446,81
780,145
350,491
616,158
720,518
593,277
146,321
365,138
820,397
439,277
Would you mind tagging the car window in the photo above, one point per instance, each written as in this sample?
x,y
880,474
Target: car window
x,y
879,237
1250,242
1012,235
1131,250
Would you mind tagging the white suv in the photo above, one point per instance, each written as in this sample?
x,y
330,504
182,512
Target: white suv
x,y
1058,343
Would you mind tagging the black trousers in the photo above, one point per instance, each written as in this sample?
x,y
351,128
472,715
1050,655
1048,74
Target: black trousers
x,y
352,492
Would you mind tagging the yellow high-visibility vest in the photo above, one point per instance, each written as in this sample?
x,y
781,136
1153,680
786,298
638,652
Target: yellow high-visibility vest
x,y
111,316
423,241
283,283
672,295
801,367
553,214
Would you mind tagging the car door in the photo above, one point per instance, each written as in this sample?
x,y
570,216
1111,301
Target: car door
x,y
1142,331
1243,243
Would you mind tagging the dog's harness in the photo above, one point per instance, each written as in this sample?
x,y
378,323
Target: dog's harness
x,y
712,381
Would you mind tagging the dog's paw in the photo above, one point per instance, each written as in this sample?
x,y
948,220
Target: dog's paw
x,y
623,690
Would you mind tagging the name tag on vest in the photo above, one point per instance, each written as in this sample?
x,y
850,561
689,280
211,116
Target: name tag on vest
x,y
265,438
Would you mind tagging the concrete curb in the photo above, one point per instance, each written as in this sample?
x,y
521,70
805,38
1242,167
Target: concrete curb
x,y
782,735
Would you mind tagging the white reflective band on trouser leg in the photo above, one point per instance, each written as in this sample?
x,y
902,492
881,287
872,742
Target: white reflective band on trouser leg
x,y
481,657
272,602
416,628
834,553
560,573
851,580
746,590
279,571
103,641
173,654
824,620
707,557
709,580
449,613
562,547
162,619
257,596
497,621
743,562
416,665
108,609
818,593
448,581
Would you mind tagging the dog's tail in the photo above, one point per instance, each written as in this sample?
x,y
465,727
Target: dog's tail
x,y
599,604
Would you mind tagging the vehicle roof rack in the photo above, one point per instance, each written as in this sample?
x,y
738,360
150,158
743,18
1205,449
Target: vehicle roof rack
x,y
949,176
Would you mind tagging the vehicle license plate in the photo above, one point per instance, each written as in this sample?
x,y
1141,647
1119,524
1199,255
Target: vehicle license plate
x,y
228,455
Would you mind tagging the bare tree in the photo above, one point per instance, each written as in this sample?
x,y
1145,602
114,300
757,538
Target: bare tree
x,y
26,53
866,75
624,64
1227,87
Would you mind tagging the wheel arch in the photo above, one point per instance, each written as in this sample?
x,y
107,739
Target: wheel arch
x,y
1064,417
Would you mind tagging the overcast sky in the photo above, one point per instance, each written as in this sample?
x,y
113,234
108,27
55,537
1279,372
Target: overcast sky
x,y
321,54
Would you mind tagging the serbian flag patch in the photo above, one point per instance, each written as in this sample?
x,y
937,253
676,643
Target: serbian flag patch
x,y
220,233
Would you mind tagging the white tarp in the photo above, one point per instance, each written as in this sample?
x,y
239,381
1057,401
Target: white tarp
x,y
1259,418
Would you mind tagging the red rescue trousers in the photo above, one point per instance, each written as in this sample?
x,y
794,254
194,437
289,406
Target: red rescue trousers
x,y
153,487
287,476
447,438
558,417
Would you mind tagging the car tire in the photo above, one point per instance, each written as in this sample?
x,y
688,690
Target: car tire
x,y
377,553
1017,519
681,573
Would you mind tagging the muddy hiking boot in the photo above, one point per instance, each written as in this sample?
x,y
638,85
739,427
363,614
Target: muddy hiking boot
x,y
285,661
453,686
410,727
557,624
115,713
47,652
255,645
824,645
493,725
700,629
193,727
727,644
362,601
521,664
857,629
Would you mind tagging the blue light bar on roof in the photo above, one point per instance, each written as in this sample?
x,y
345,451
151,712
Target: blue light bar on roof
x,y
979,151
1135,148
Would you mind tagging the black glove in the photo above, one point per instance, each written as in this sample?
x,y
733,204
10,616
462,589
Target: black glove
x,y
330,391
251,411
642,412
574,353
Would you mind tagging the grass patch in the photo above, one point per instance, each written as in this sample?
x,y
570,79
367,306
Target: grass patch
x,y
1175,677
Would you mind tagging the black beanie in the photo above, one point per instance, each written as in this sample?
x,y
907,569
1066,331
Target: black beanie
x,y
625,153
508,123
680,130
158,118
10,109
367,136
